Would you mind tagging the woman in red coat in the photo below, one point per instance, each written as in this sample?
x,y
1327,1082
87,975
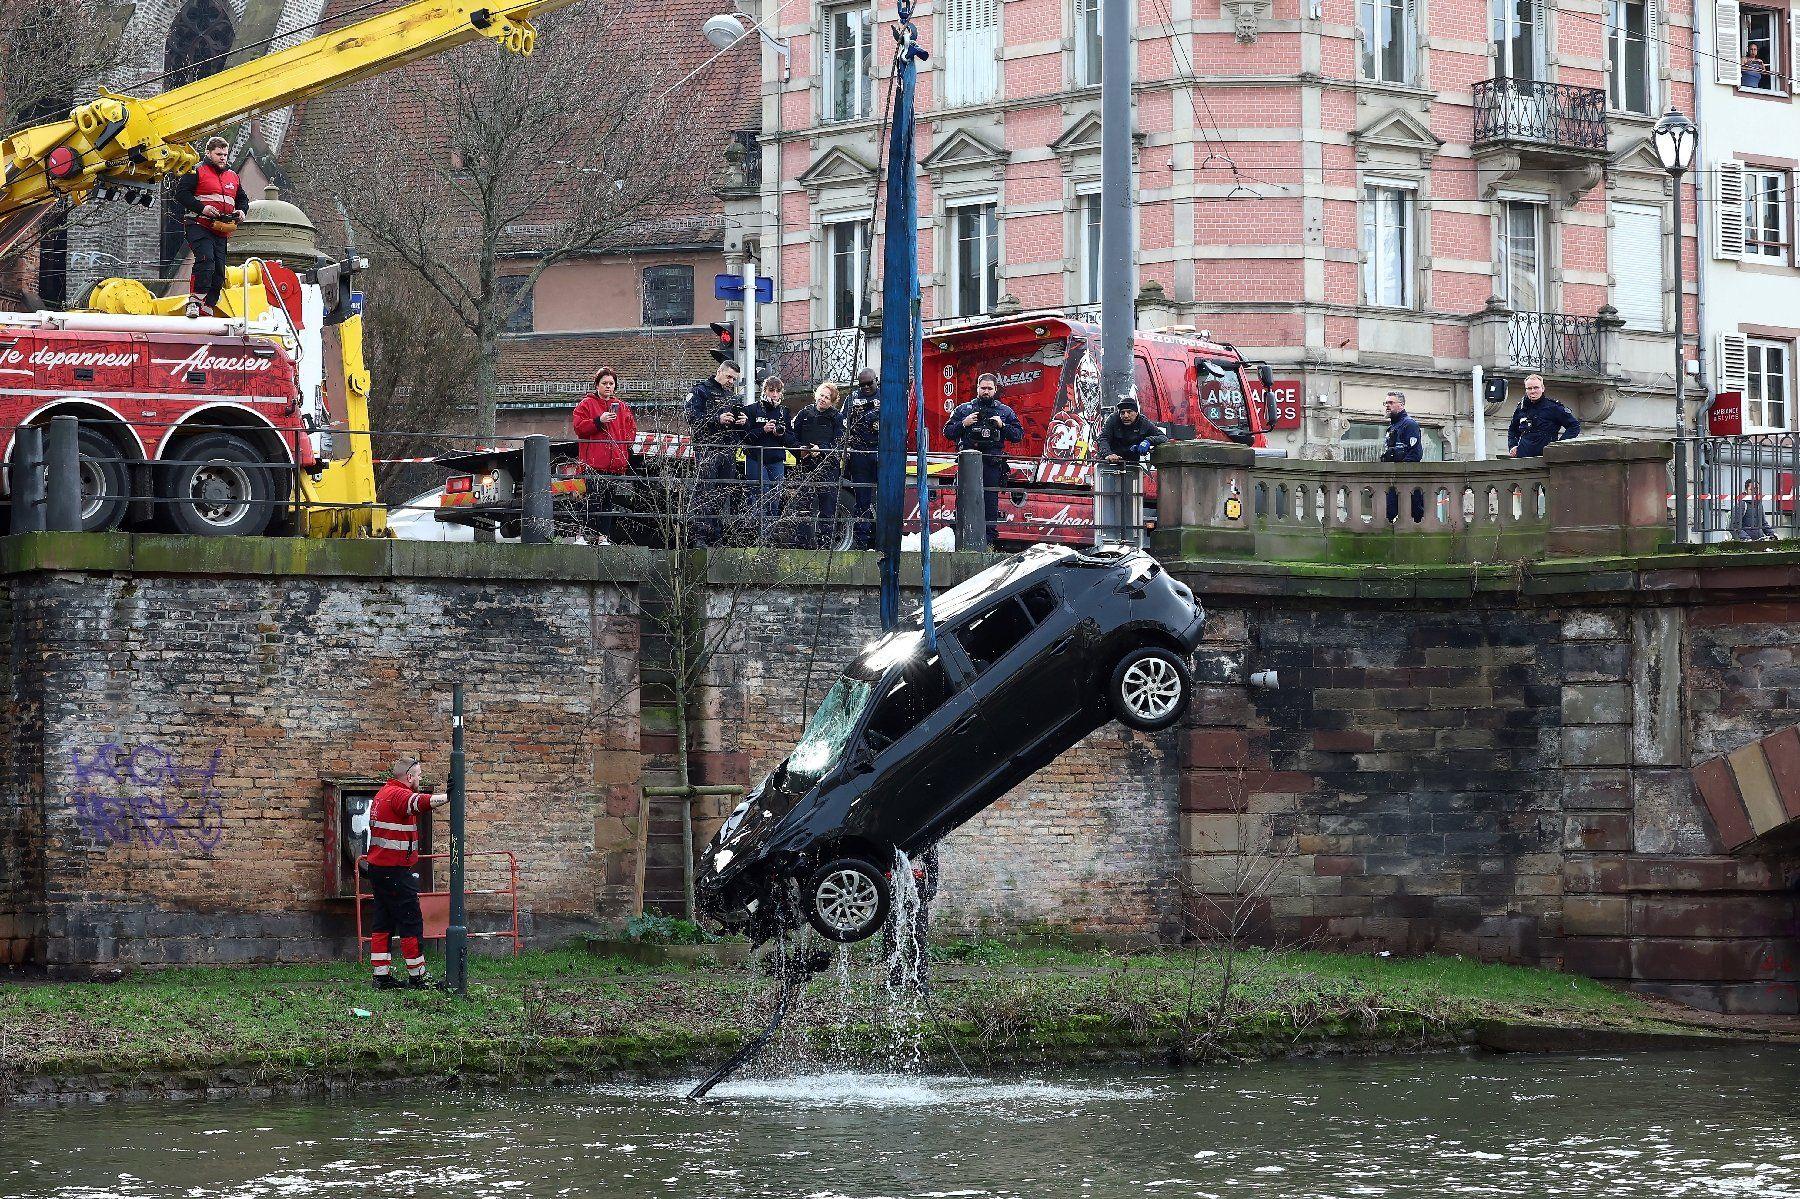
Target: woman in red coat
x,y
607,430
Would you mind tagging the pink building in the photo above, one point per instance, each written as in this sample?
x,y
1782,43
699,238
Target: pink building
x,y
1368,193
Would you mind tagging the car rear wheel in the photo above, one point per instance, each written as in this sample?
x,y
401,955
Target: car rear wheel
x,y
847,899
218,486
1150,688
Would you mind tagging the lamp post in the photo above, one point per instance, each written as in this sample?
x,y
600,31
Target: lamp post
x,y
1674,138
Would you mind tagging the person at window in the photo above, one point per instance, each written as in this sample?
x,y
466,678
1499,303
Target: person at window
x,y
862,432
1538,421
1755,72
766,442
716,422
1128,435
213,198
1748,521
607,430
986,424
818,434
1404,441
393,852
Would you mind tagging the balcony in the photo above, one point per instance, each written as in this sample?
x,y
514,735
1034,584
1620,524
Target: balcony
x,y
805,360
1530,114
1573,349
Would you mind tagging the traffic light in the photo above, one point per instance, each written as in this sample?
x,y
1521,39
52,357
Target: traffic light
x,y
727,347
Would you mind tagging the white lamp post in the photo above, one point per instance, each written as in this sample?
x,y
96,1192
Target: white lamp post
x,y
1674,138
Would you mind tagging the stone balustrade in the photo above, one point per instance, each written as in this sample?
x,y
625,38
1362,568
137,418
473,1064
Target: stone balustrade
x,y
1584,498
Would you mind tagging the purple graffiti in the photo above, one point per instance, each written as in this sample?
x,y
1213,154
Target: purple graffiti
x,y
143,795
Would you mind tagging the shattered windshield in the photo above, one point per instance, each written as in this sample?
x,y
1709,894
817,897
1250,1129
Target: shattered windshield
x,y
828,732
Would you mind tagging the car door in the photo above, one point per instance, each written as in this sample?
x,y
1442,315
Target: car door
x,y
920,747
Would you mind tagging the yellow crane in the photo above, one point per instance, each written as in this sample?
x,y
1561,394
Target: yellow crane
x,y
124,144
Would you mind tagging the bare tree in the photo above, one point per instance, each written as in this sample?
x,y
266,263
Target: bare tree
x,y
501,166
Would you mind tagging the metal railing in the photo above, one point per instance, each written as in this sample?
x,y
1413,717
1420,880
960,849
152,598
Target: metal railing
x,y
1555,343
1741,488
1533,112
804,360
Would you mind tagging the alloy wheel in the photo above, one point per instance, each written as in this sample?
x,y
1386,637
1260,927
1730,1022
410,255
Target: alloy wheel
x,y
847,900
1151,688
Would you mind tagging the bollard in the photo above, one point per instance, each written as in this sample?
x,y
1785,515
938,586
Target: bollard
x,y
1107,518
62,475
971,502
28,480
539,524
1131,505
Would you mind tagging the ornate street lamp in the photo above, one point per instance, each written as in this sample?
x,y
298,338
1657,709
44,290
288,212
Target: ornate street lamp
x,y
1673,139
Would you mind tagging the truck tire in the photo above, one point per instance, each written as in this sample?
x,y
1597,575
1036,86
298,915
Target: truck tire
x,y
847,899
218,485
1150,689
105,482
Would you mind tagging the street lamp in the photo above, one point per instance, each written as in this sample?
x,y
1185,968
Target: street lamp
x,y
1673,139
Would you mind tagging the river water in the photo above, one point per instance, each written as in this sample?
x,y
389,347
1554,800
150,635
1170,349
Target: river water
x,y
1723,1123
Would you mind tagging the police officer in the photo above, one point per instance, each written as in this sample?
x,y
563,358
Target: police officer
x,y
1404,441
862,431
716,422
987,425
818,430
1538,421
1128,435
766,442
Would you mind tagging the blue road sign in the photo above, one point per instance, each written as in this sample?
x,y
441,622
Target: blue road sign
x,y
728,287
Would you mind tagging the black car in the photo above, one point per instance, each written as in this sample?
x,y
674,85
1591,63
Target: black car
x,y
1031,656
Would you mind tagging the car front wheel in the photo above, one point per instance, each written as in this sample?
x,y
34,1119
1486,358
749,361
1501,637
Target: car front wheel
x,y
847,899
1150,689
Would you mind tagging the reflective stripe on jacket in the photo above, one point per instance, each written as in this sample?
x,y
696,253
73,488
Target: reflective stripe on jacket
x,y
394,824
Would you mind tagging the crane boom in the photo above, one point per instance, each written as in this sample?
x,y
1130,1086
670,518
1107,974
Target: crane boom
x,y
131,140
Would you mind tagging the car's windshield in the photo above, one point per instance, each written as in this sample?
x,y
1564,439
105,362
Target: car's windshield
x,y
828,732
1222,400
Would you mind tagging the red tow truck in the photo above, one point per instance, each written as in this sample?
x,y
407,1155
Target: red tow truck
x,y
1048,367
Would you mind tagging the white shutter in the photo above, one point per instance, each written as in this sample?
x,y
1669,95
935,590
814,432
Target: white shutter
x,y
1728,50
1732,354
1728,209
1637,265
1653,53
1793,62
1540,66
971,50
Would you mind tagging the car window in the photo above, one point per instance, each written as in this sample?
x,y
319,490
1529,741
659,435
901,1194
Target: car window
x,y
1040,602
914,695
988,635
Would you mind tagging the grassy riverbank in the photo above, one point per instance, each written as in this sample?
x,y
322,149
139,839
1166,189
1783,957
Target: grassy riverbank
x,y
569,1013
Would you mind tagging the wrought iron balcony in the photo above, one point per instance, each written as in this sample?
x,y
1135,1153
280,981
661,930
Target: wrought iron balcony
x,y
805,360
1533,115
1554,344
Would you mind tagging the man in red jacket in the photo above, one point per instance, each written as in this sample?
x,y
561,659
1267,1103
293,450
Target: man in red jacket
x,y
213,200
393,852
607,430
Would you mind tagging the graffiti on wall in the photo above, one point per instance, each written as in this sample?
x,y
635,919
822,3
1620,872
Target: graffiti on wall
x,y
145,795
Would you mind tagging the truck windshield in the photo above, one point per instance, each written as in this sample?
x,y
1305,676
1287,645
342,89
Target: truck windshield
x,y
828,732
1221,396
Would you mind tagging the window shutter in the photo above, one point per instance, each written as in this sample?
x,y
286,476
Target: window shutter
x,y
1728,209
1653,51
1637,265
971,50
1732,354
1728,50
1793,62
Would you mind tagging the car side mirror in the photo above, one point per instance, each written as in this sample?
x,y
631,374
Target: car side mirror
x,y
1266,374
862,761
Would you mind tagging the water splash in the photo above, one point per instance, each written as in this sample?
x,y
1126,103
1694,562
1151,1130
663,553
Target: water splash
x,y
845,1089
905,967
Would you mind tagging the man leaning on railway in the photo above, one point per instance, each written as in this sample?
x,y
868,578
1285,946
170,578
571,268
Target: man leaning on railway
x,y
1538,421
213,198
393,853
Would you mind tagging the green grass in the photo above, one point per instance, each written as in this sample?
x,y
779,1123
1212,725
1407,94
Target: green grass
x,y
549,1014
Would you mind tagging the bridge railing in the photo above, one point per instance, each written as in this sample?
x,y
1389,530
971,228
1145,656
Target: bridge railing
x,y
1582,498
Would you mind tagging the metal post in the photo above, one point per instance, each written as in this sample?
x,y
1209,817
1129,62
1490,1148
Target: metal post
x,y
1131,504
456,937
28,480
1681,449
971,502
1479,380
751,382
539,521
1106,503
62,475
1117,319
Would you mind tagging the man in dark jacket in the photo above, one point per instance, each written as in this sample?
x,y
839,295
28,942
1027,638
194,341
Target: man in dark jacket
x,y
862,431
213,199
715,421
1538,421
1404,441
766,442
987,425
1128,435
1748,520
818,433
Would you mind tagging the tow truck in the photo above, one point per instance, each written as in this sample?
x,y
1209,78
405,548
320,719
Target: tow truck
x,y
258,415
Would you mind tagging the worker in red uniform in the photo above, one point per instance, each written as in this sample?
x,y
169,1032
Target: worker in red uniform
x,y
214,199
393,852
608,431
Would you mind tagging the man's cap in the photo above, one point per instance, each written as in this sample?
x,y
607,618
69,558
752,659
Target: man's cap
x,y
1128,404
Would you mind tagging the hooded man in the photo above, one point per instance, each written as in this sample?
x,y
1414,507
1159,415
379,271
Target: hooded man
x,y
1128,435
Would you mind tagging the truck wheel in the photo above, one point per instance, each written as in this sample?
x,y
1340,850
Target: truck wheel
x,y
105,483
843,533
219,486
1150,689
847,899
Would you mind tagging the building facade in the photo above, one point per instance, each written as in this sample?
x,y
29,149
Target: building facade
x,y
1366,193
